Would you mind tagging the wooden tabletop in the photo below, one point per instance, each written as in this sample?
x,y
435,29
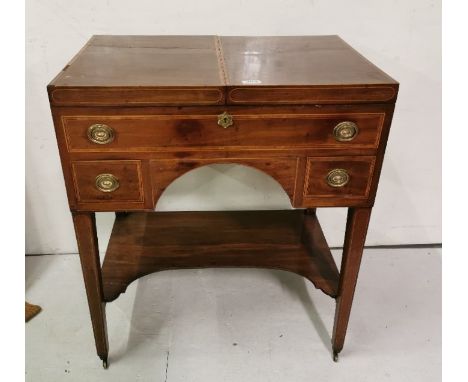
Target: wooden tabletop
x,y
144,61
213,62
298,60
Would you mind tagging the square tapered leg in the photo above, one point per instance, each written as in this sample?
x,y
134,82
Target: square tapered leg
x,y
86,236
355,237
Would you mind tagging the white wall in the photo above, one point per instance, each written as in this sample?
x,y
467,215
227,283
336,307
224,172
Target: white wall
x,y
402,37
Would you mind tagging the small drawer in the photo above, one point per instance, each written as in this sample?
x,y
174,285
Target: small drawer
x,y
339,177
108,181
230,130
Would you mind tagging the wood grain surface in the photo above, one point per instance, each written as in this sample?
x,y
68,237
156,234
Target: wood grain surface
x,y
143,243
249,131
160,70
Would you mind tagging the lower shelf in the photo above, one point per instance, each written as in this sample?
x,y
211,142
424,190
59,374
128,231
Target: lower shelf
x,y
145,242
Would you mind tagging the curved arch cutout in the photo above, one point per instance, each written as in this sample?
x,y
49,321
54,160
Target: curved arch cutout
x,y
282,172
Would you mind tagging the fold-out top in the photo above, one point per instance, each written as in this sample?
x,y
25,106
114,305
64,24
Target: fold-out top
x,y
212,70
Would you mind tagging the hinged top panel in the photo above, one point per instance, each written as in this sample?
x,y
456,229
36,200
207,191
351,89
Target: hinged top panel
x,y
144,61
142,70
302,70
212,70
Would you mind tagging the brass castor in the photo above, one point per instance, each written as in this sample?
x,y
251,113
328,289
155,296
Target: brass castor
x,y
104,364
335,356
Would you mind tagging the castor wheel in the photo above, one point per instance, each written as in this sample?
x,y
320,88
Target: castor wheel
x,y
335,356
104,364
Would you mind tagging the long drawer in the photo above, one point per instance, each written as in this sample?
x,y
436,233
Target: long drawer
x,y
122,133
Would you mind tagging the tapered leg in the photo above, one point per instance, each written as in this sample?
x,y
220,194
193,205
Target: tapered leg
x,y
355,237
86,236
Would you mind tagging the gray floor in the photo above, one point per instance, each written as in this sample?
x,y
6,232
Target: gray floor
x,y
240,325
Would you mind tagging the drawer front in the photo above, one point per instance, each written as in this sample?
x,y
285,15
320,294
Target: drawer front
x,y
166,132
339,177
107,181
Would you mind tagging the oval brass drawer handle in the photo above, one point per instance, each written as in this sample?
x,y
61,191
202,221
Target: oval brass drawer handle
x,y
107,183
345,131
337,177
225,120
100,134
